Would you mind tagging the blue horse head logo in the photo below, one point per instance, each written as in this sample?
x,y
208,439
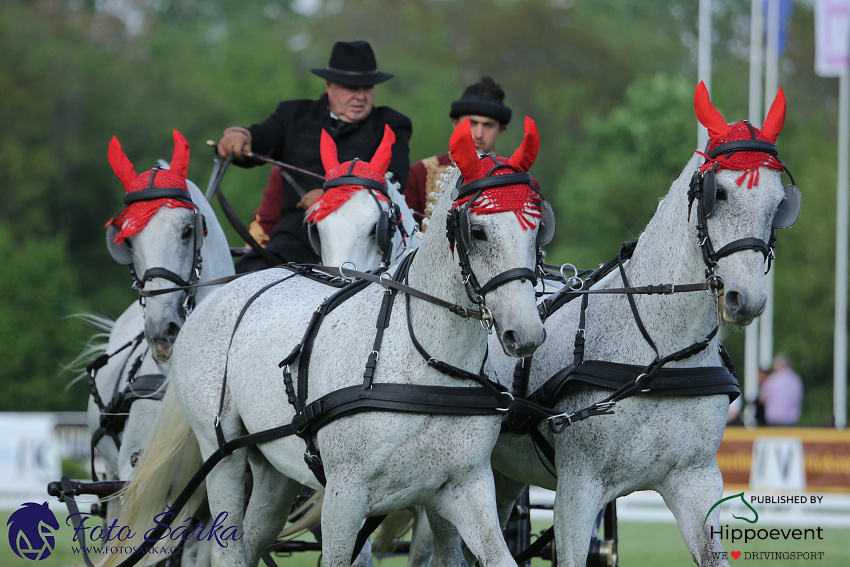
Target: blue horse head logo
x,y
31,530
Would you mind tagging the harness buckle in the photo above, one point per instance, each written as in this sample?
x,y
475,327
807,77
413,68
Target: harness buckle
x,y
511,400
558,423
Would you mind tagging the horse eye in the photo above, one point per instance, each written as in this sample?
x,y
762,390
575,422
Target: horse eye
x,y
478,233
187,232
720,194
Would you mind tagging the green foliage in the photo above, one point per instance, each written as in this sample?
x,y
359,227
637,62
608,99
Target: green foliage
x,y
611,186
38,293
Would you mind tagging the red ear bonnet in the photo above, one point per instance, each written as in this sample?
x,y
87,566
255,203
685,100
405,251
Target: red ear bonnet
x,y
135,217
375,170
721,133
521,199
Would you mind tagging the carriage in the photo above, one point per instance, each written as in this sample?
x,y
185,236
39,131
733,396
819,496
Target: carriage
x,y
644,307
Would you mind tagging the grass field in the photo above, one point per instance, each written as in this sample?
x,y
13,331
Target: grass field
x,y
640,545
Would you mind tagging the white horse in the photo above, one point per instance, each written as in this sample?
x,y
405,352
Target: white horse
x,y
181,243
374,461
653,442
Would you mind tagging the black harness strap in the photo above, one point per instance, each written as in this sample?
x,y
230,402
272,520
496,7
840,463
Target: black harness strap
x,y
233,216
110,424
625,380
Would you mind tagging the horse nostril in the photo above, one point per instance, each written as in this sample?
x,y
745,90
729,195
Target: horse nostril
x,y
732,300
510,340
171,332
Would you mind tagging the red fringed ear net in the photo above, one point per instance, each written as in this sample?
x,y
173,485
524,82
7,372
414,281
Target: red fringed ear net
x,y
135,217
746,162
520,199
335,197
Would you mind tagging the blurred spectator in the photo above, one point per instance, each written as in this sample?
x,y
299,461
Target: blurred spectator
x,y
733,417
782,393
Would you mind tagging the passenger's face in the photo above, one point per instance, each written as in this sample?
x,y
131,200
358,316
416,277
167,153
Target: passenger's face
x,y
351,104
485,131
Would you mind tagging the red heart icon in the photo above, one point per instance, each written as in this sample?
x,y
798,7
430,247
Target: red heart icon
x,y
735,554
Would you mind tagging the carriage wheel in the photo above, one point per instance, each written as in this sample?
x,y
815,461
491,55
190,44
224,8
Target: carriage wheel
x,y
603,551
518,529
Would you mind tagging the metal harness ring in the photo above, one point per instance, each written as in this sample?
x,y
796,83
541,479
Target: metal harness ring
x,y
342,272
715,285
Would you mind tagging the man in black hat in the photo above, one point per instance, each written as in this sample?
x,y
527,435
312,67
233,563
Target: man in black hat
x,y
292,135
481,103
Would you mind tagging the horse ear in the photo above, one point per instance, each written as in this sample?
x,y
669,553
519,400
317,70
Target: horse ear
x,y
775,117
526,153
327,149
180,156
463,152
707,115
384,154
121,166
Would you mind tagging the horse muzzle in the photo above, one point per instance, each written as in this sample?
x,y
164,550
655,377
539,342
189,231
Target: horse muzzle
x,y
518,344
161,342
739,308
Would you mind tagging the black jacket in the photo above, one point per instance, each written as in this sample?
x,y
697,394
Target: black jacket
x,y
292,134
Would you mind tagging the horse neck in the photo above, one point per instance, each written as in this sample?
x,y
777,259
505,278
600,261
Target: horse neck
x,y
435,271
667,252
215,252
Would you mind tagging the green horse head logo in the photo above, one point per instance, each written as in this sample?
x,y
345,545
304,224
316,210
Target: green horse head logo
x,y
747,504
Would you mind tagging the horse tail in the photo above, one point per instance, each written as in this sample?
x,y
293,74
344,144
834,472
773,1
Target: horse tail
x,y
305,517
167,464
94,347
394,526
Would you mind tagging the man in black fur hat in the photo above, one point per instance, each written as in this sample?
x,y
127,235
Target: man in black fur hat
x,y
481,103
292,135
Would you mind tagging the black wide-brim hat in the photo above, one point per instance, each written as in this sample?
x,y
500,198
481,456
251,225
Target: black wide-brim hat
x,y
352,63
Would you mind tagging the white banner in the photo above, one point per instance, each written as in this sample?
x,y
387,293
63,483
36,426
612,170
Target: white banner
x,y
832,37
29,458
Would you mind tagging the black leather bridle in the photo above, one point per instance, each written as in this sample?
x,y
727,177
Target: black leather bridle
x,y
151,193
703,188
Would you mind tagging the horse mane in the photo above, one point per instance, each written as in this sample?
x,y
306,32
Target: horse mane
x,y
94,347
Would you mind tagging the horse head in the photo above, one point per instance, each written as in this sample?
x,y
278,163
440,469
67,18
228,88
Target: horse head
x,y
159,233
496,224
740,201
355,220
